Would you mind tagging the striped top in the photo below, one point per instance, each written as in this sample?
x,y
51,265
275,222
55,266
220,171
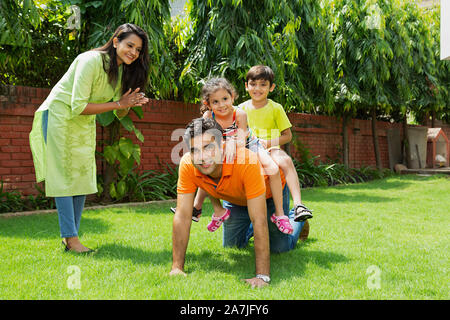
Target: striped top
x,y
232,130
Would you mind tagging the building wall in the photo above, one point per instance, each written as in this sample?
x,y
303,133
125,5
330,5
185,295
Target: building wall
x,y
162,126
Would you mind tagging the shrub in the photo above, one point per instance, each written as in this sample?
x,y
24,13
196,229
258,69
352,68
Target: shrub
x,y
14,201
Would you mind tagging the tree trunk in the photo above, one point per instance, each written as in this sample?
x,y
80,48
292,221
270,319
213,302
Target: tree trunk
x,y
345,148
375,139
407,152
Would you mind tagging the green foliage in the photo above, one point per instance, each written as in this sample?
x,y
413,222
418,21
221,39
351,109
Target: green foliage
x,y
10,201
121,155
13,31
14,201
153,185
42,52
363,53
314,173
231,36
432,88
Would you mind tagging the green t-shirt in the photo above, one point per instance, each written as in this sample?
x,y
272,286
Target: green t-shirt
x,y
267,122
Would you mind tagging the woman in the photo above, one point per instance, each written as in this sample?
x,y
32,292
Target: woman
x,y
63,138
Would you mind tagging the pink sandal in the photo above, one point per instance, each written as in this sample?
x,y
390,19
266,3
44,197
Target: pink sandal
x,y
282,224
216,222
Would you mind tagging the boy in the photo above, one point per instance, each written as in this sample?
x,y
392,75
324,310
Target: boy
x,y
269,122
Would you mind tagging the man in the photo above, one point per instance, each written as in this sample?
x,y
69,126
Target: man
x,y
245,193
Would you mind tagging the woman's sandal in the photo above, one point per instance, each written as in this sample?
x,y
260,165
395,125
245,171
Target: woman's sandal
x,y
282,223
302,213
216,222
66,249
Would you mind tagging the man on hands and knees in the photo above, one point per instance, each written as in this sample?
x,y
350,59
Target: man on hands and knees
x,y
246,194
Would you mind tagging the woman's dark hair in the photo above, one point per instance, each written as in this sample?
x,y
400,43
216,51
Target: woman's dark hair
x,y
134,75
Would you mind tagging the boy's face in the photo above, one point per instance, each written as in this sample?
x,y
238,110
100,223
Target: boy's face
x,y
259,89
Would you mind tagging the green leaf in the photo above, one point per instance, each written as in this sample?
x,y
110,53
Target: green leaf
x,y
137,153
110,154
121,188
106,118
127,123
139,134
112,191
126,147
139,112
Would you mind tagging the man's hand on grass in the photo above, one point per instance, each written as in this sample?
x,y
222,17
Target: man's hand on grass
x,y
177,272
256,282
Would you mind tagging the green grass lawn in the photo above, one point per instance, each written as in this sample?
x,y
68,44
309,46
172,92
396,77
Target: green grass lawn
x,y
387,239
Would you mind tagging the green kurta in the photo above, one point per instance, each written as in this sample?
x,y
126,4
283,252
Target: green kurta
x,y
67,161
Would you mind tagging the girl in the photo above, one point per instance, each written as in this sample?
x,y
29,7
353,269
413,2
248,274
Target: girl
x,y
218,96
63,135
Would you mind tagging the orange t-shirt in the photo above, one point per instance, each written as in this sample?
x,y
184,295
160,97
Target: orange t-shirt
x,y
240,181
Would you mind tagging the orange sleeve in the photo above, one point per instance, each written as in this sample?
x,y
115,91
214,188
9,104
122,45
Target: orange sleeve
x,y
186,176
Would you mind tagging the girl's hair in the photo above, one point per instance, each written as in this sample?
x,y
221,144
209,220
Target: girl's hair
x,y
134,75
211,86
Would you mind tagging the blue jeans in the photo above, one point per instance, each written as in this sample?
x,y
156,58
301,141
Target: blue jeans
x,y
238,230
69,214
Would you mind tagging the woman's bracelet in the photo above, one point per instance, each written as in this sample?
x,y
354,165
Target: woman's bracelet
x,y
118,103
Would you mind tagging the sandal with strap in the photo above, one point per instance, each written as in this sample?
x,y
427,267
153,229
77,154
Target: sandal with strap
x,y
216,222
302,213
282,223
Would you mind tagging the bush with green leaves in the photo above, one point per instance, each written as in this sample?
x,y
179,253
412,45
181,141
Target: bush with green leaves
x,y
228,37
14,201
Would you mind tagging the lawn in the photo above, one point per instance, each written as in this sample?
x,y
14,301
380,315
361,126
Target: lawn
x,y
386,239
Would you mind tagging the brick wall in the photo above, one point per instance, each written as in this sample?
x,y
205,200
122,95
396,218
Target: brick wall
x,y
321,134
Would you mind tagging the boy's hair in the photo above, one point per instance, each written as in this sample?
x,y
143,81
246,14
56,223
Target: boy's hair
x,y
200,126
211,86
260,72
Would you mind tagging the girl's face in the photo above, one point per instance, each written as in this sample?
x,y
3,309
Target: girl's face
x,y
128,49
221,103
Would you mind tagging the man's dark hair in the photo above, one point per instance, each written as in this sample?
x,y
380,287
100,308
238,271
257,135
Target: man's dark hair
x,y
260,72
200,126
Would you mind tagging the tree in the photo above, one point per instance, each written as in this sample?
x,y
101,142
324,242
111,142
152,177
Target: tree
x,y
433,97
363,59
230,36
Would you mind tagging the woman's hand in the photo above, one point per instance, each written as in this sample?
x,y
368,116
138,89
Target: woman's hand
x,y
132,99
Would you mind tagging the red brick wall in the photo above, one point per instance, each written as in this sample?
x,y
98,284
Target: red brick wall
x,y
321,134
17,106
